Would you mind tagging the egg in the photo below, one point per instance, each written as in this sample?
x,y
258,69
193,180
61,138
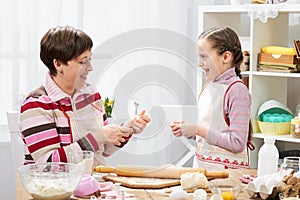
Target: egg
x,y
227,195
271,183
200,194
178,195
257,182
216,197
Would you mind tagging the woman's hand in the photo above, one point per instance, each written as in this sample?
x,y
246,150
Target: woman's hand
x,y
139,122
184,128
116,134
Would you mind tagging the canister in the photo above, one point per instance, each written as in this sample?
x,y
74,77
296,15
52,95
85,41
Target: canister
x,y
295,127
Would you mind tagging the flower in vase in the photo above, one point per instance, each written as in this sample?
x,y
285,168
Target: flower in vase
x,y
108,106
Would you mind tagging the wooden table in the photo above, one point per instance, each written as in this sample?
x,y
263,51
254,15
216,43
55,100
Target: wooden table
x,y
148,194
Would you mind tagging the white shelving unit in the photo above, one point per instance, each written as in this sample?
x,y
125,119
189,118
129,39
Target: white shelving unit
x,y
262,85
284,138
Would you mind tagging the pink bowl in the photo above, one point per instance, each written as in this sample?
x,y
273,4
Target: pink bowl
x,y
88,185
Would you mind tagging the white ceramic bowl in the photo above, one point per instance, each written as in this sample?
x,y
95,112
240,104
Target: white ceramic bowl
x,y
225,191
50,181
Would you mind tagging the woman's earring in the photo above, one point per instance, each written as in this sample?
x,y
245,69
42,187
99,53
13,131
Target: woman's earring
x,y
61,72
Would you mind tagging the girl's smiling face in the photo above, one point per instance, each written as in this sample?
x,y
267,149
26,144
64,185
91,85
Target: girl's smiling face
x,y
212,63
209,61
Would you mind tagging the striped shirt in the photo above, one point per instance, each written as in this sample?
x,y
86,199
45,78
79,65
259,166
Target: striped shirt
x,y
237,108
45,123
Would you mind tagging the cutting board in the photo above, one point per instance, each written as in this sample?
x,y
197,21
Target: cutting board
x,y
142,182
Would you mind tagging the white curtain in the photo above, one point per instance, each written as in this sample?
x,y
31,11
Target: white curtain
x,y
22,24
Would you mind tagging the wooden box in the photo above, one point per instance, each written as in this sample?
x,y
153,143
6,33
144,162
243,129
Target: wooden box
x,y
266,58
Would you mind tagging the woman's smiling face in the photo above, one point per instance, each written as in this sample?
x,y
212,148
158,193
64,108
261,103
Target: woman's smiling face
x,y
80,77
74,73
209,61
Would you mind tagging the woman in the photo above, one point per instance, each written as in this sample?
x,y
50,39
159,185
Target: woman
x,y
65,114
223,104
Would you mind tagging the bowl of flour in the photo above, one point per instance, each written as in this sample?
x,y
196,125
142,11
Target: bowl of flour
x,y
50,181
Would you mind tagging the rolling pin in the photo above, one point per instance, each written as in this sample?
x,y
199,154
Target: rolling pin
x,y
166,171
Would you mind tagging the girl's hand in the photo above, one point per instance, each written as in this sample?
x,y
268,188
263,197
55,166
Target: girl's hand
x,y
184,128
176,128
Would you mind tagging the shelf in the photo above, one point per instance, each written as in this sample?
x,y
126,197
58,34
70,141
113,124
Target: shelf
x,y
285,138
288,8
224,8
245,73
278,74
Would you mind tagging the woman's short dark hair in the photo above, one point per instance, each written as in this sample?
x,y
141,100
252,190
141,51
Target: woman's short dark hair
x,y
63,44
225,39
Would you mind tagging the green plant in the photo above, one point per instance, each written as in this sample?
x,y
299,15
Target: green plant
x,y
108,106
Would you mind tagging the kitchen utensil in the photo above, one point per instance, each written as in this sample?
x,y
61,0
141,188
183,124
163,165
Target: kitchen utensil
x,y
291,162
165,171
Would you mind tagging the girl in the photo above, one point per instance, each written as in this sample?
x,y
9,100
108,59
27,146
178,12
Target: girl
x,y
223,104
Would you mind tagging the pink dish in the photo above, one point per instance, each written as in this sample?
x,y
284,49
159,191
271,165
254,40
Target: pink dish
x,y
88,185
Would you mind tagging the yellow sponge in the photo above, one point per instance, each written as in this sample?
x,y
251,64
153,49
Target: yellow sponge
x,y
278,50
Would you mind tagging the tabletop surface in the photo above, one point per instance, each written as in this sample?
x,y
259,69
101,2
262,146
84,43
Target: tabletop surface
x,y
161,194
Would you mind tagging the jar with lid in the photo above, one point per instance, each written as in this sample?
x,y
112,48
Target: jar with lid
x,y
295,127
291,162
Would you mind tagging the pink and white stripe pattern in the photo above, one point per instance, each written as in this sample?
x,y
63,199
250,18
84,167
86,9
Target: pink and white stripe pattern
x,y
45,128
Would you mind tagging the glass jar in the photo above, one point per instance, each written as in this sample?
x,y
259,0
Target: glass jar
x,y
295,127
291,162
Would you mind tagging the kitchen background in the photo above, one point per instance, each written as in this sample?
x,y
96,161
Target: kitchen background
x,y
144,52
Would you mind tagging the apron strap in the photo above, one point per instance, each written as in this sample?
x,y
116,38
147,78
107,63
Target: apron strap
x,y
68,118
249,143
224,114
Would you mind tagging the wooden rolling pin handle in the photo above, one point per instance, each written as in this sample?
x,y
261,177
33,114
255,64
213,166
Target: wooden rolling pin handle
x,y
217,174
104,169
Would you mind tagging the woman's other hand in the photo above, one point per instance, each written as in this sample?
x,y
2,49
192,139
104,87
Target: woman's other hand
x,y
139,122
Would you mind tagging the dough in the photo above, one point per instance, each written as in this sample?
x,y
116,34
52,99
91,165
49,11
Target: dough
x,y
193,180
